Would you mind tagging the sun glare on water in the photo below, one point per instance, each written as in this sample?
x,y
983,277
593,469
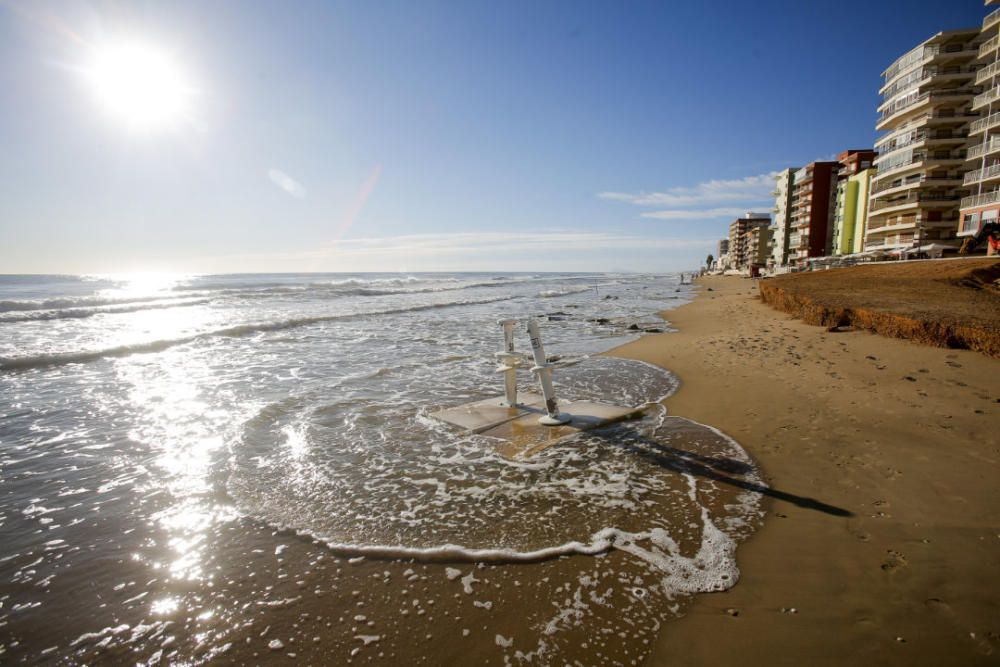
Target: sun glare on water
x,y
140,85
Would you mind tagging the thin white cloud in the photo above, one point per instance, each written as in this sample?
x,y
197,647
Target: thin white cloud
x,y
286,183
545,250
462,243
751,188
703,214
702,199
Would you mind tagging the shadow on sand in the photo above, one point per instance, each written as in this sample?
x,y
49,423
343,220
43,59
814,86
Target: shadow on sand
x,y
716,468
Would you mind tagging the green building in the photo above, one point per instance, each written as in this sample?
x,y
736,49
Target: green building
x,y
851,210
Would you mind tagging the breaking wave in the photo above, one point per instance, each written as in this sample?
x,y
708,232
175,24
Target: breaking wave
x,y
64,358
79,313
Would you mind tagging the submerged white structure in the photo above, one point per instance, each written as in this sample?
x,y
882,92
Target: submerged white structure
x,y
531,423
543,371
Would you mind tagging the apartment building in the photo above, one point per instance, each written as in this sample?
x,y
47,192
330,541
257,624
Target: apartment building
x,y
723,247
812,205
758,249
982,204
740,255
722,255
850,211
784,180
925,114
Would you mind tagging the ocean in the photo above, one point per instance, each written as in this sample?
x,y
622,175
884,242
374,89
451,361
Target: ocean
x,y
240,468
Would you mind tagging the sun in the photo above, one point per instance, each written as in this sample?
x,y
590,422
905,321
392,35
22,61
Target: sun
x,y
140,85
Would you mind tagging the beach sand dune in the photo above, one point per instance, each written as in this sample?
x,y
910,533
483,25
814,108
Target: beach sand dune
x,y
948,304
902,437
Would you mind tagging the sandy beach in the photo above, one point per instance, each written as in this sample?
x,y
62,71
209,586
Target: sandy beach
x,y
882,535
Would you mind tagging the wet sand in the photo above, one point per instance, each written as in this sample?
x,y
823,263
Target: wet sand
x,y
881,541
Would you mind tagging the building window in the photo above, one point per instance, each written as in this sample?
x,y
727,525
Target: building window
x,y
970,222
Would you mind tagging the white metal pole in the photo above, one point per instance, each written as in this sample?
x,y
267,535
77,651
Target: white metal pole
x,y
508,362
508,335
543,370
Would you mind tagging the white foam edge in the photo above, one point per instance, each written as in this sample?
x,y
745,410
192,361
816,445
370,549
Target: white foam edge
x,y
711,568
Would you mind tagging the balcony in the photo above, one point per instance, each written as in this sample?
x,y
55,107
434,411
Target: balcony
x,y
985,123
912,199
983,174
984,199
887,146
983,99
945,116
924,179
991,19
890,242
983,149
925,53
910,59
987,73
988,46
907,103
918,77
887,168
892,223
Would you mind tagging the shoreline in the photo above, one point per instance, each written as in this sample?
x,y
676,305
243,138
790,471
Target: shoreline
x,y
899,437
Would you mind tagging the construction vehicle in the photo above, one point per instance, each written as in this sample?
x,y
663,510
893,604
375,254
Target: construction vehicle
x,y
989,232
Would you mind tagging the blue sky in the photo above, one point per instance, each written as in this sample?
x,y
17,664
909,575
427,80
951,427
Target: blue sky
x,y
415,136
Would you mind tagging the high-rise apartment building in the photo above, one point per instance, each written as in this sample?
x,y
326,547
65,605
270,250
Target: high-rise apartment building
x,y
850,211
983,155
758,247
784,180
740,255
925,114
812,211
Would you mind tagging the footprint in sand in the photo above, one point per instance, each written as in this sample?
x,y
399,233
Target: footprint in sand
x,y
891,473
938,605
893,561
858,533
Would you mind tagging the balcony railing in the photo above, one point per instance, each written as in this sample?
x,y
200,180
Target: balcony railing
x,y
984,199
892,185
911,58
987,73
915,138
902,105
889,167
921,53
912,198
886,148
981,174
985,123
985,98
895,221
982,149
945,114
917,77
988,45
991,19
893,240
